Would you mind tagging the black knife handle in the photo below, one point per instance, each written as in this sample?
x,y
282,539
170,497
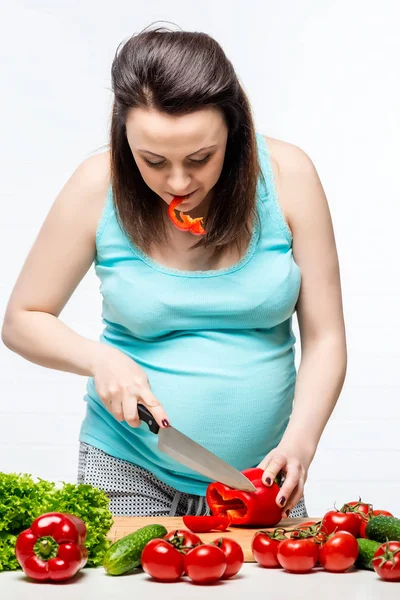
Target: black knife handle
x,y
146,416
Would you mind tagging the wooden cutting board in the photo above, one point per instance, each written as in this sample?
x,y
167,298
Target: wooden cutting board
x,y
244,535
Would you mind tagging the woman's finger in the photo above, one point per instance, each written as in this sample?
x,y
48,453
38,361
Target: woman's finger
x,y
116,408
129,406
296,496
291,481
264,463
155,407
272,470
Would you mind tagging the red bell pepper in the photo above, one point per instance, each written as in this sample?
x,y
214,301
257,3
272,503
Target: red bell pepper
x,y
185,222
258,509
53,548
203,524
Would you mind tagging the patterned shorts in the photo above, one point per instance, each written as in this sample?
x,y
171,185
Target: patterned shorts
x,y
136,492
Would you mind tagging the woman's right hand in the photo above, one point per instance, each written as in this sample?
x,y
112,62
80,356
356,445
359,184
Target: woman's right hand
x,y
121,383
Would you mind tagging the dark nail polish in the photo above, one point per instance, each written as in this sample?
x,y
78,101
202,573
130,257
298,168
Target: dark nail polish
x,y
282,501
268,480
287,513
165,423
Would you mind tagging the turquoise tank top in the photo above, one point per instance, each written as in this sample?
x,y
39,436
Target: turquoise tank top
x,y
217,345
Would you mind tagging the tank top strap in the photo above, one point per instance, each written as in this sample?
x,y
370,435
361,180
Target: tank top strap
x,y
266,188
108,209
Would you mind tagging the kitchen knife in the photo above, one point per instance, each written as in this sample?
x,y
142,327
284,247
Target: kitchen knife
x,y
173,442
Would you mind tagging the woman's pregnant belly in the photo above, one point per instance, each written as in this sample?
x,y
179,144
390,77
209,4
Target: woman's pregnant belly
x,y
229,390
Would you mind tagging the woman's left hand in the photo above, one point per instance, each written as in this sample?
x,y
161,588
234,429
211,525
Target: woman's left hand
x,y
294,462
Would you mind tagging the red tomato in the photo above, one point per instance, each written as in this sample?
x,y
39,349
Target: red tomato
x,y
389,568
339,552
162,561
207,523
205,564
341,521
363,526
182,539
265,549
382,512
298,556
362,507
234,555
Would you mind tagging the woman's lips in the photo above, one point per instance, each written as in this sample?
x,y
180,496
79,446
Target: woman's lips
x,y
187,196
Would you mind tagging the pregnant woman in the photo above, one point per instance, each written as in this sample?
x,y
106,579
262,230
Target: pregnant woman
x,y
197,320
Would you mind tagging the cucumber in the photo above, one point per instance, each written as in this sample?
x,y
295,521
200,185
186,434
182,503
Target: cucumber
x,y
125,554
366,551
381,527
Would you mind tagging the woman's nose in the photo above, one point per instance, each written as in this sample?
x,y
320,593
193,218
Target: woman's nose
x,y
179,184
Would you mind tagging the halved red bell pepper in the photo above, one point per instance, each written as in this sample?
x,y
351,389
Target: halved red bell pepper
x,y
203,524
258,509
53,548
185,222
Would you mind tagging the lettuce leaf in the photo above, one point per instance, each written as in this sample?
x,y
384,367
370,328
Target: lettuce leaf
x,y
21,500
8,560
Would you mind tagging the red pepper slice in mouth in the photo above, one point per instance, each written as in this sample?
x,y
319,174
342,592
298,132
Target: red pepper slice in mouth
x,y
200,524
197,227
184,222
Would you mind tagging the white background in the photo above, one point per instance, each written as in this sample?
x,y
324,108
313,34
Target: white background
x,y
322,75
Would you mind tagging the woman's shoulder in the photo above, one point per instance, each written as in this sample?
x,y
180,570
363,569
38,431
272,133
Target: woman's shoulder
x,y
287,158
96,170
95,174
292,168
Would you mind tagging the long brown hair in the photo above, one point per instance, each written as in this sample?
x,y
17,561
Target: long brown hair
x,y
178,72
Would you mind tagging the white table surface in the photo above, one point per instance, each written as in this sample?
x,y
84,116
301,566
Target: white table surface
x,y
268,584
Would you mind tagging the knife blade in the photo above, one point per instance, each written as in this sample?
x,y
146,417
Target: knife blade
x,y
186,451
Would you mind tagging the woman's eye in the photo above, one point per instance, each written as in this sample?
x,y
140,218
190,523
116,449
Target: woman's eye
x,y
203,160
161,163
153,164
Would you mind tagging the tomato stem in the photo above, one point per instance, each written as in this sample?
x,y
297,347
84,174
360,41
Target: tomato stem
x,y
388,556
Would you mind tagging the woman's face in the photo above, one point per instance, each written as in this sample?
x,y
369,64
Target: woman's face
x,y
177,155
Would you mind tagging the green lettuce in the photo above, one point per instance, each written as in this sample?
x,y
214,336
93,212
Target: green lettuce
x,y
22,500
8,560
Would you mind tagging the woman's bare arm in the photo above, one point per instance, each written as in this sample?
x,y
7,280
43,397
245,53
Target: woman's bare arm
x,y
320,316
58,260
